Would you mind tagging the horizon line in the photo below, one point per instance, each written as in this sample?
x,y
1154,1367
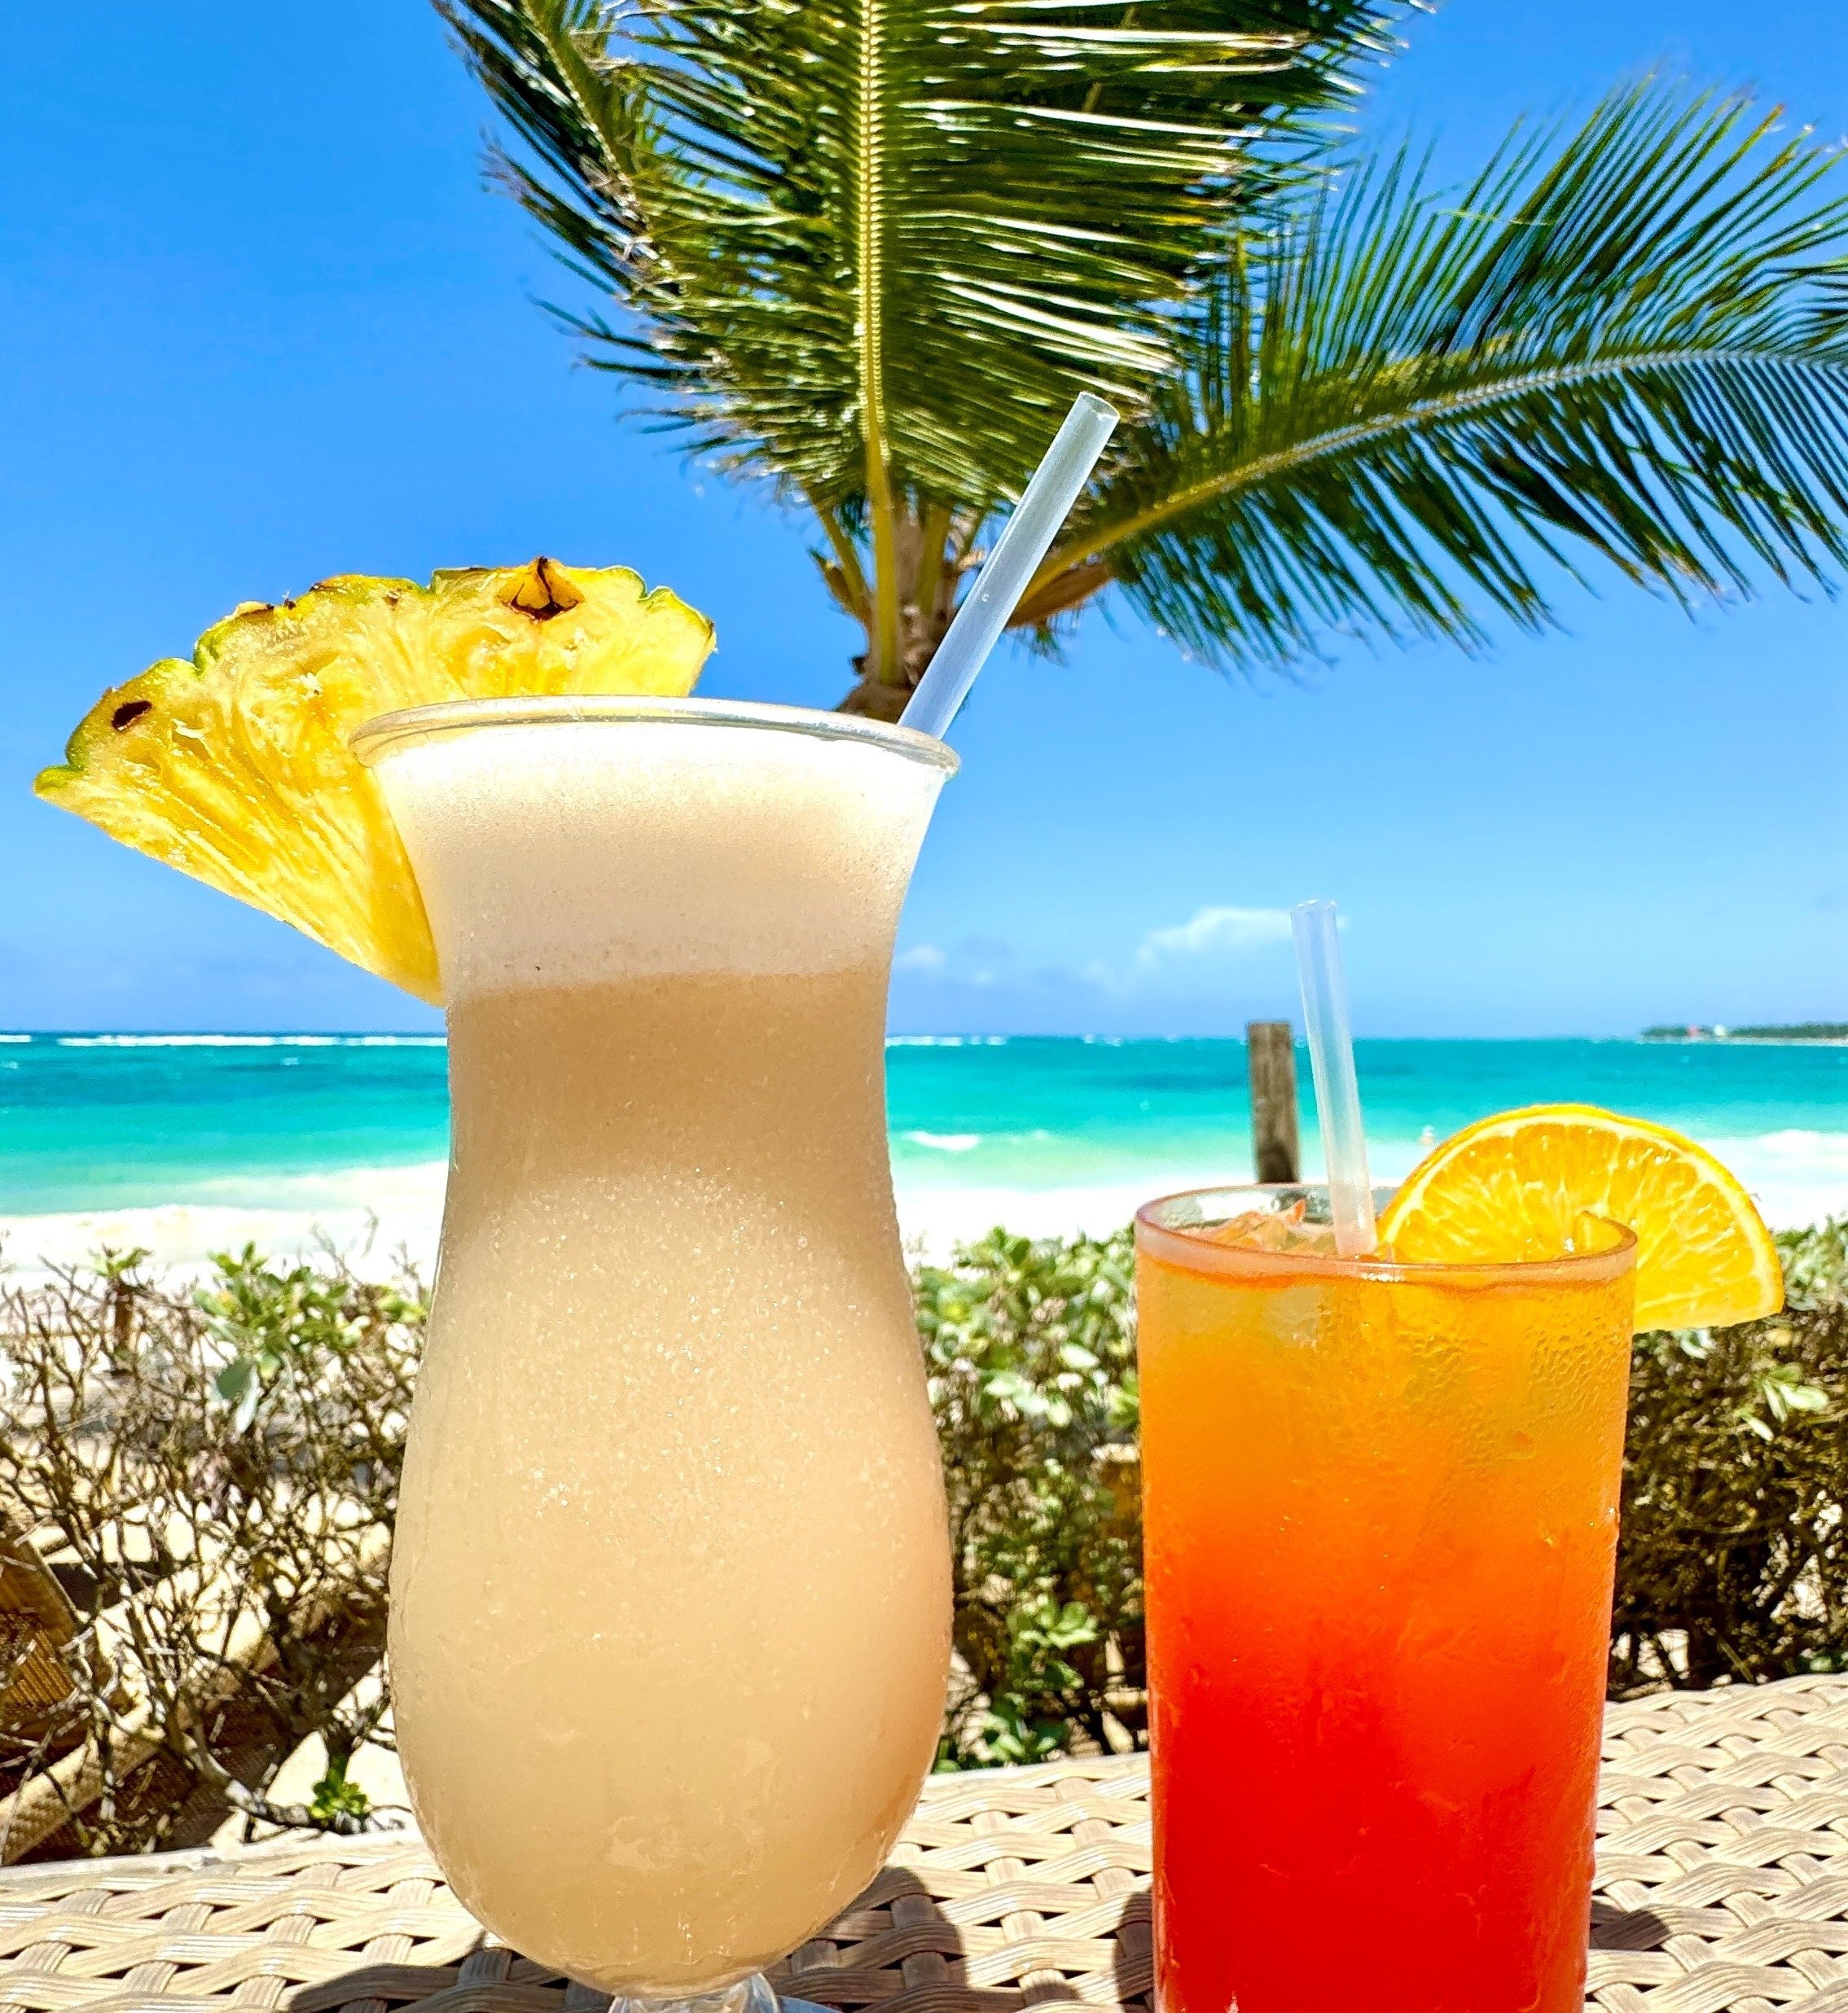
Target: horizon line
x,y
333,1037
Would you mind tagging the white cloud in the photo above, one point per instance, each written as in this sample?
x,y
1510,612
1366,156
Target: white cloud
x,y
1210,940
1214,932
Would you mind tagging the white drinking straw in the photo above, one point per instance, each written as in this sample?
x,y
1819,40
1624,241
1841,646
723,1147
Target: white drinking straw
x,y
1025,540
1337,1090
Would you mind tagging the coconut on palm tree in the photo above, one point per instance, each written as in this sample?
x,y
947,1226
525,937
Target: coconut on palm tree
x,y
867,252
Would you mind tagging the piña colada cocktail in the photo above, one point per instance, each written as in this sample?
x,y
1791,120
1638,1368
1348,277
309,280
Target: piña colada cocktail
x,y
671,1617
670,1592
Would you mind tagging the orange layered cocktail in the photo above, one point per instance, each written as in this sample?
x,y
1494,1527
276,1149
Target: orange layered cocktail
x,y
1380,1521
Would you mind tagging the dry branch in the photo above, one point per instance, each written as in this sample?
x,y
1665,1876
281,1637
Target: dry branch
x,y
213,1476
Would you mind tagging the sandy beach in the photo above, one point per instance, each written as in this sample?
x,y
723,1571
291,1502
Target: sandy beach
x,y
372,1215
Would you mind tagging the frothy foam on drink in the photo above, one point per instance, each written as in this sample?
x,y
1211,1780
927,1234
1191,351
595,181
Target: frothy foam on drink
x,y
551,854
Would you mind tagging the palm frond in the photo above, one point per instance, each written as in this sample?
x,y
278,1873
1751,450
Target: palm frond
x,y
880,243
1628,342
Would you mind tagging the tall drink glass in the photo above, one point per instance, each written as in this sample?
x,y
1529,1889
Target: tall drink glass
x,y
1381,1522
670,1599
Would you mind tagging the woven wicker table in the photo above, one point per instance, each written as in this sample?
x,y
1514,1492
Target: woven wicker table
x,y
1722,1889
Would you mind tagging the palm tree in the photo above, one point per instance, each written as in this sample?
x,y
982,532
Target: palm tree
x,y
868,250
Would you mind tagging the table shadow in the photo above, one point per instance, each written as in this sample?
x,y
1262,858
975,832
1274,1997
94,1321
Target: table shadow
x,y
1134,1971
1614,1929
895,1949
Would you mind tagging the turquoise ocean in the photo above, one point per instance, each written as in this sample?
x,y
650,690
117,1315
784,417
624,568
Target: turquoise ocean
x,y
323,1126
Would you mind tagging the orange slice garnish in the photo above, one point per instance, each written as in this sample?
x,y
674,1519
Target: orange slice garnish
x,y
1516,1185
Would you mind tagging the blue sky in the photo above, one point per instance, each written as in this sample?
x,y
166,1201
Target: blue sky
x,y
262,323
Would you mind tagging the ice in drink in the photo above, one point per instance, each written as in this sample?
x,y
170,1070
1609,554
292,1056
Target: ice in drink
x,y
1380,1516
670,1599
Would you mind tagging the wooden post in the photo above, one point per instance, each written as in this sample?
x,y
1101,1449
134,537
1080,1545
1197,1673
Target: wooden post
x,y
1275,1149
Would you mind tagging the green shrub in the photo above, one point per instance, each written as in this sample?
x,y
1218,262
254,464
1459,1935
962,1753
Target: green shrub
x,y
1815,1264
127,1411
1733,1561
1031,1352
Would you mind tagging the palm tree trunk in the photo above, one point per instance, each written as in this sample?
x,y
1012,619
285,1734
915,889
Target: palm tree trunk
x,y
924,579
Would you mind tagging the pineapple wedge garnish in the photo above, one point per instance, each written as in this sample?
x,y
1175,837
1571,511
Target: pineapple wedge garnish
x,y
236,769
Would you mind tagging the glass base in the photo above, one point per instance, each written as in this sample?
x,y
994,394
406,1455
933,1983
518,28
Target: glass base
x,y
749,1995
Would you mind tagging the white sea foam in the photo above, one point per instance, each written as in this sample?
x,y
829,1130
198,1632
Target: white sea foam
x,y
240,1040
14,1037
1797,1177
167,1041
947,1040
946,1143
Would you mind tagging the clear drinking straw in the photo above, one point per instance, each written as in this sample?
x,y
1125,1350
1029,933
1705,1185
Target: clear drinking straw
x,y
1337,1090
1025,540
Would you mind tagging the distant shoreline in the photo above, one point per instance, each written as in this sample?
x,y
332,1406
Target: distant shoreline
x,y
1830,1035
1708,1039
